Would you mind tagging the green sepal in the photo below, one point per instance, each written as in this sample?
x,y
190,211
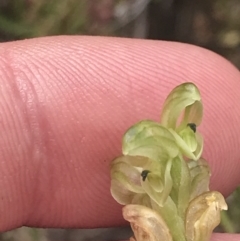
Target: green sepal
x,y
200,177
181,97
125,178
145,129
136,161
153,152
127,182
181,185
167,147
175,223
149,133
119,192
142,199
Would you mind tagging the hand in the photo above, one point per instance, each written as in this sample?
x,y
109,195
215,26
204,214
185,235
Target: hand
x,y
65,104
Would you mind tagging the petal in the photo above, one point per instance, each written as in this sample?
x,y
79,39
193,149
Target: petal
x,y
155,181
146,224
160,198
187,147
203,215
189,137
156,196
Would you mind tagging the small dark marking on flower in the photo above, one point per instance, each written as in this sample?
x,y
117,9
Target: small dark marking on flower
x,y
192,126
144,174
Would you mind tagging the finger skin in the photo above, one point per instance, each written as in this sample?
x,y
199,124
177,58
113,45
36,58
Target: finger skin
x,y
225,237
66,102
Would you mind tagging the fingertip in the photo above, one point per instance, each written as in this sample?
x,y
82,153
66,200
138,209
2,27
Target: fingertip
x,y
81,94
225,236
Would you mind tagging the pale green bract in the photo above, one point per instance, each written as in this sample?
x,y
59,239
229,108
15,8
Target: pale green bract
x,y
162,178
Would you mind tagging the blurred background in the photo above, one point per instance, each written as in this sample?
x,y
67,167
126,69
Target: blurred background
x,y
211,24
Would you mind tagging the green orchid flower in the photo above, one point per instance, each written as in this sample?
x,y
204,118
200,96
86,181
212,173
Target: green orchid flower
x,y
182,114
162,178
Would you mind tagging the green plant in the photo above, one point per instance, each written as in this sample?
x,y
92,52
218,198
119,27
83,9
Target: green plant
x,y
162,178
25,19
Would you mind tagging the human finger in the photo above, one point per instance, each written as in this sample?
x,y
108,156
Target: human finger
x,y
66,102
